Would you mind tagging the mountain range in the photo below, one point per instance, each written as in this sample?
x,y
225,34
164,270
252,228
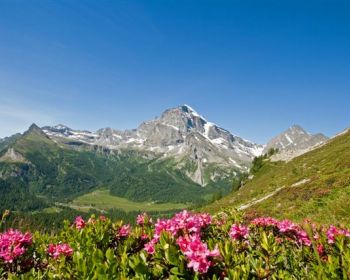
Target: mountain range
x,y
182,133
178,157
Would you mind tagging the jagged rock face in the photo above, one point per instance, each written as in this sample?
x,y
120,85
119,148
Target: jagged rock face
x,y
294,142
180,133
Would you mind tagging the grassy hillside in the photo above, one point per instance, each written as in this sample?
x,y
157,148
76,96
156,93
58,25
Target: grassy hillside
x,y
315,185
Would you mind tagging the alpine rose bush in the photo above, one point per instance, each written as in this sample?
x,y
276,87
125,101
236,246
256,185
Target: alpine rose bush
x,y
13,244
57,250
185,246
124,231
333,232
79,222
197,253
239,232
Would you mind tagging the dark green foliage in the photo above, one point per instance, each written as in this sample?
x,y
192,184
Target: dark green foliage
x,y
271,152
258,162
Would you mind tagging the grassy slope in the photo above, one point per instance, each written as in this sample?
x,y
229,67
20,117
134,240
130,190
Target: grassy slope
x,y
102,199
324,198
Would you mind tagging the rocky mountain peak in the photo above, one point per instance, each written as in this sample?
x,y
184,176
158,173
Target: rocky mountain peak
x,y
183,118
296,129
34,129
294,140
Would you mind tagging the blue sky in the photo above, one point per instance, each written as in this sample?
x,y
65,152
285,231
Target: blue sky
x,y
253,67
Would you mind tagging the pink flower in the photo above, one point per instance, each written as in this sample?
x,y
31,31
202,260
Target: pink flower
x,y
13,244
320,250
265,222
149,247
57,250
190,225
197,253
144,236
79,222
290,228
143,219
333,232
124,231
183,222
285,227
239,232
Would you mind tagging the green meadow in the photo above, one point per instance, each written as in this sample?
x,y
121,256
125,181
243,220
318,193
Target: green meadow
x,y
103,200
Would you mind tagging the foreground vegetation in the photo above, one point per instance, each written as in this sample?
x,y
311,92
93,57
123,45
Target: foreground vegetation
x,y
186,246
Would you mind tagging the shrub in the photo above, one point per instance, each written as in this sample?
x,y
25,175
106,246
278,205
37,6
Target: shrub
x,y
186,246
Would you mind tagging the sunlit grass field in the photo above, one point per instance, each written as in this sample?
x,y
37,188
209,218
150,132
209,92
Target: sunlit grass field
x,y
103,200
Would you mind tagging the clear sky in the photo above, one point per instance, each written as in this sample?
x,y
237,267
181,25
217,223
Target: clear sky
x,y
252,67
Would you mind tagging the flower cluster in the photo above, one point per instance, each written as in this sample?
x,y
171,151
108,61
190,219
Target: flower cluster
x,y
79,222
265,222
13,244
285,227
333,232
188,245
57,250
289,228
186,227
197,253
124,231
183,222
143,219
239,232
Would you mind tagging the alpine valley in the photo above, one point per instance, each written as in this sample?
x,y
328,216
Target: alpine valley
x,y
177,160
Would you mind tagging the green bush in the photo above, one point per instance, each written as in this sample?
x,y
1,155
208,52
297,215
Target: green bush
x,y
186,246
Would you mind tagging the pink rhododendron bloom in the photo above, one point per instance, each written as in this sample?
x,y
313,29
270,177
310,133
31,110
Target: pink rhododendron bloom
x,y
320,250
79,222
13,244
333,232
124,231
183,222
197,253
143,219
57,250
265,221
189,225
144,236
293,229
285,227
239,232
149,247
